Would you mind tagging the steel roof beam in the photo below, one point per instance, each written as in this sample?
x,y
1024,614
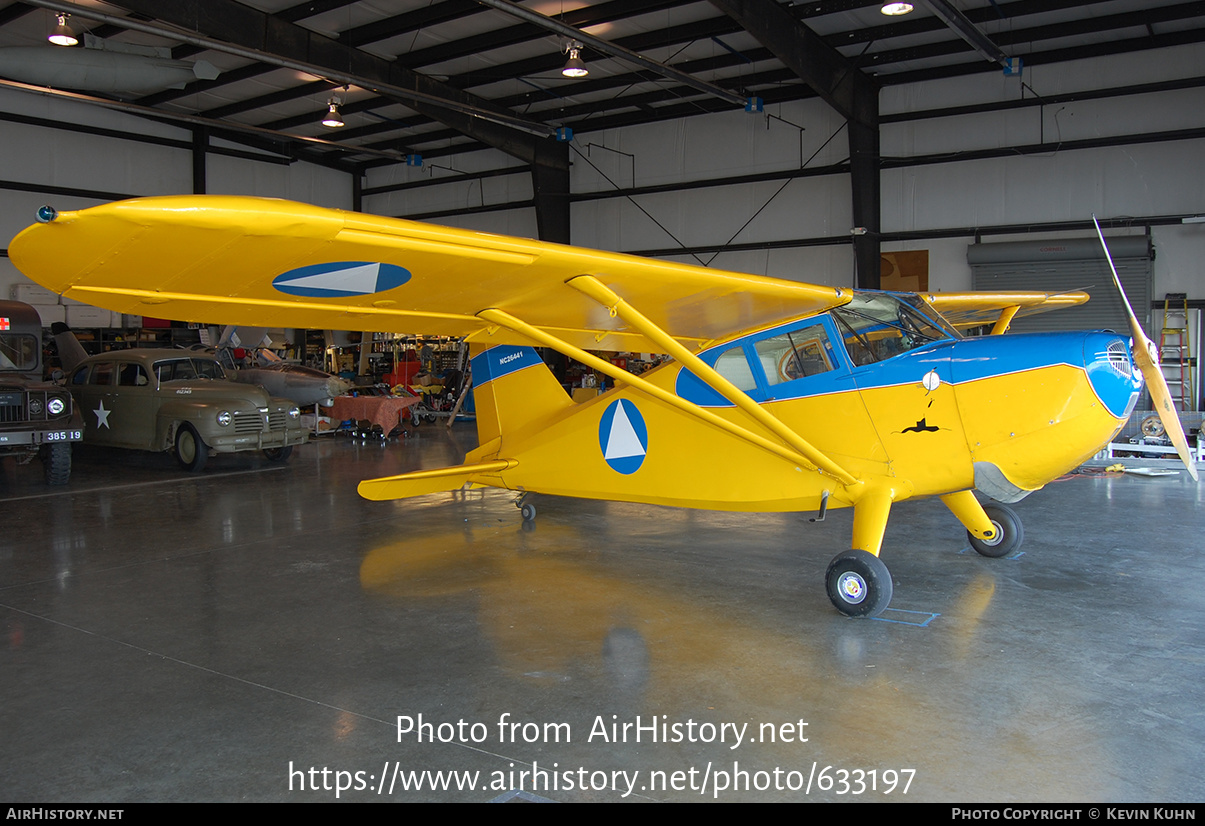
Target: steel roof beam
x,y
236,29
613,49
961,25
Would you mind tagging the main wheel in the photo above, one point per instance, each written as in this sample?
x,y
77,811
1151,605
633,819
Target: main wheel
x,y
278,454
858,583
56,462
1010,533
191,452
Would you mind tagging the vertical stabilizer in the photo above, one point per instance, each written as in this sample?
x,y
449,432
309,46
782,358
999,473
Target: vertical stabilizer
x,y
71,352
512,387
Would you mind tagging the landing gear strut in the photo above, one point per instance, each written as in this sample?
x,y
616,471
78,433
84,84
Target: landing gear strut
x,y
1010,533
857,581
993,529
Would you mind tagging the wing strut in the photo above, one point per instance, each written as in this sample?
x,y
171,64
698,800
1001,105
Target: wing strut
x,y
545,339
1005,319
603,294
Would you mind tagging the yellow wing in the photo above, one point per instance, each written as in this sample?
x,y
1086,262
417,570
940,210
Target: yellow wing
x,y
976,309
237,260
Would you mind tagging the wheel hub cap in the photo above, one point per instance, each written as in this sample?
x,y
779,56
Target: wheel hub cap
x,y
996,538
852,588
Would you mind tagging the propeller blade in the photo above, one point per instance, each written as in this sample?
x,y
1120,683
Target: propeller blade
x,y
1146,357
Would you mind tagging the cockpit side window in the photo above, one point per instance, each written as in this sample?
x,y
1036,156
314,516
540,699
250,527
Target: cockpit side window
x,y
877,326
779,363
795,355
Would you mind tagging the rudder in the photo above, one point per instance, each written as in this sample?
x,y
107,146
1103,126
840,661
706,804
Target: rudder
x,y
512,387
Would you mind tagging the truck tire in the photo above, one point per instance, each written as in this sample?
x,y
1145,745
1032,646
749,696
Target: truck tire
x,y
56,462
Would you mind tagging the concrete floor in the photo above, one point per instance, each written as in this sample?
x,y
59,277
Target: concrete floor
x,y
178,638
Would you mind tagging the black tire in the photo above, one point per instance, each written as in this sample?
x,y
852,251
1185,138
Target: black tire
x,y
858,583
191,452
1010,533
528,512
56,462
278,454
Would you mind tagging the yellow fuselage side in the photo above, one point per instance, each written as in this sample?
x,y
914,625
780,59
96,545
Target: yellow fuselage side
x,y
916,438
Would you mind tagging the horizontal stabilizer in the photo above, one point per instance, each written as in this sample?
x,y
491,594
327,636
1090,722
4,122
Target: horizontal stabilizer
x,y
421,482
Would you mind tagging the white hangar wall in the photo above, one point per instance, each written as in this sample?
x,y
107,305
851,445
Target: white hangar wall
x,y
1134,180
1060,183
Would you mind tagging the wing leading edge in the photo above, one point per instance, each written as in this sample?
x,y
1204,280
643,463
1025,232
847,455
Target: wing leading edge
x,y
240,260
977,309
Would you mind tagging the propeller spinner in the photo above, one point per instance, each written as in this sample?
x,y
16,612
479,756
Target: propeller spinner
x,y
1146,357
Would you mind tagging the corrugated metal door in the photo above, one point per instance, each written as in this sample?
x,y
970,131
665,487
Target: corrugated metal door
x,y
1068,265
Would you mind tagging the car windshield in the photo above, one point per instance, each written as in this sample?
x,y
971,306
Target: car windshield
x,y
877,326
18,352
187,369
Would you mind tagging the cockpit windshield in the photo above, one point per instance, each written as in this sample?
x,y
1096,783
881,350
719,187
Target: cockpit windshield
x,y
877,326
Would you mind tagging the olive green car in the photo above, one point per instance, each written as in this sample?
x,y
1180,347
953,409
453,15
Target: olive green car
x,y
160,400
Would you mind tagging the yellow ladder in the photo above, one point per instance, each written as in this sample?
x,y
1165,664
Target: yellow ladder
x,y
1174,349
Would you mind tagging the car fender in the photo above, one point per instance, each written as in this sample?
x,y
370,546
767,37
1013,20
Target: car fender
x,y
201,415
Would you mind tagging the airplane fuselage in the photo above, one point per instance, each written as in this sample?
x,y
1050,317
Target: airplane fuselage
x,y
1004,415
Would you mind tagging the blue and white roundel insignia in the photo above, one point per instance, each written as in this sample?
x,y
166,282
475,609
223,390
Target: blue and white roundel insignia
x,y
623,437
341,278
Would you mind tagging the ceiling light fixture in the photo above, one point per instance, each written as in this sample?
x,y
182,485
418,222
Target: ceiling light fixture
x,y
896,9
574,66
63,35
332,118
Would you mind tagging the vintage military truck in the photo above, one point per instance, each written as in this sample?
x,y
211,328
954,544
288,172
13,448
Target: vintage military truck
x,y
37,417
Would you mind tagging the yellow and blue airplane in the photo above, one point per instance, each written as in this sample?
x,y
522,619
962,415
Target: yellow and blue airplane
x,y
779,395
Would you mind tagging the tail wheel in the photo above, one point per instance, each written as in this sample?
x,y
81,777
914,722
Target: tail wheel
x,y
191,452
858,583
1010,533
527,511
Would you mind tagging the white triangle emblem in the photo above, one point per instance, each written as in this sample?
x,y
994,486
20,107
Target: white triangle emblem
x,y
361,279
622,441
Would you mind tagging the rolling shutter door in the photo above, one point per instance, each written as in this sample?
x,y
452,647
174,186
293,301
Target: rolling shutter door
x,y
1064,266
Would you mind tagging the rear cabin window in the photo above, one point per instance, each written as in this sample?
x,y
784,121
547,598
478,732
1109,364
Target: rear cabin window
x,y
734,366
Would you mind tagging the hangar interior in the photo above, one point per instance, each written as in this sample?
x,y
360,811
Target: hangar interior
x,y
259,632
